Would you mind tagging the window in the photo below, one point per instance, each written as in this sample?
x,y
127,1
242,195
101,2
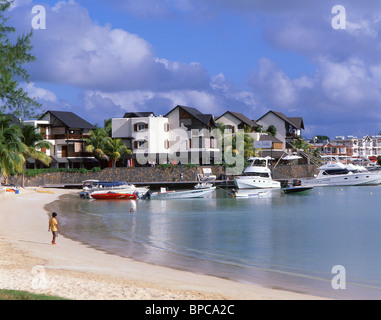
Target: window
x,y
140,126
140,144
166,127
166,144
229,128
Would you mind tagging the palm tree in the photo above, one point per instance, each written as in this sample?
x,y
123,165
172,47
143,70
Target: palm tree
x,y
303,145
96,143
11,148
34,143
115,148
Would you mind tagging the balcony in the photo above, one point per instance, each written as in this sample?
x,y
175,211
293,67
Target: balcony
x,y
79,154
66,136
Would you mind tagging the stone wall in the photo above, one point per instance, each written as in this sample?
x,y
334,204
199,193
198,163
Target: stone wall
x,y
152,174
294,171
136,174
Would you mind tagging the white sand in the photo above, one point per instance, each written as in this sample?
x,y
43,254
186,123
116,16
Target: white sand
x,y
28,261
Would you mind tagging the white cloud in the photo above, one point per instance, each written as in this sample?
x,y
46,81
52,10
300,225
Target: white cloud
x,y
40,94
74,50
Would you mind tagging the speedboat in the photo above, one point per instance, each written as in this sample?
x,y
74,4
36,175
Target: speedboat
x,y
112,195
339,174
297,189
256,176
200,190
91,188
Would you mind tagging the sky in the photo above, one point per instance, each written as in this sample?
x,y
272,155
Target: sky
x,y
100,59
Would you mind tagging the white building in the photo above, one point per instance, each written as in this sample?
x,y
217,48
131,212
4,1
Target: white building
x,y
147,136
183,135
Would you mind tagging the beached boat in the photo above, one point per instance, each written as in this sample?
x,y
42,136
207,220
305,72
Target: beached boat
x,y
94,187
112,195
256,176
200,190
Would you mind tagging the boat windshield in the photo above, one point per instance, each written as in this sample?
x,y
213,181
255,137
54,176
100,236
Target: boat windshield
x,y
257,174
259,163
335,172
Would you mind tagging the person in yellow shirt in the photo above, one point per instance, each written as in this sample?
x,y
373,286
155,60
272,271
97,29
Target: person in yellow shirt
x,y
53,226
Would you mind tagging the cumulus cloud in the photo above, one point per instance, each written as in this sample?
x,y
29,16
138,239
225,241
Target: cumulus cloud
x,y
74,50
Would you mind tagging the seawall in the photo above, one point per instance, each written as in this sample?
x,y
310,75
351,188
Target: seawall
x,y
152,174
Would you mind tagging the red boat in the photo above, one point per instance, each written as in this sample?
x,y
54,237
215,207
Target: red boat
x,y
113,195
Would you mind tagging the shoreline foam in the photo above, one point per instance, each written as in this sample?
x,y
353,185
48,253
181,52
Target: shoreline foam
x,y
76,271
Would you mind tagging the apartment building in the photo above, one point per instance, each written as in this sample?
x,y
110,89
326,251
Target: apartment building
x,y
183,135
67,133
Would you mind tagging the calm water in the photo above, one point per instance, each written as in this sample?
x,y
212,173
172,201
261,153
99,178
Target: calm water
x,y
278,240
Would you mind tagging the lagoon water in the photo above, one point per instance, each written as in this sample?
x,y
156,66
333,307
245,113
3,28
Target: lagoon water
x,y
286,241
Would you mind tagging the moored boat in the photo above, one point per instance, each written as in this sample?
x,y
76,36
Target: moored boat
x,y
93,187
339,174
257,176
200,190
297,189
111,195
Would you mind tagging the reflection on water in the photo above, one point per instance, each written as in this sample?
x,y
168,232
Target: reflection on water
x,y
279,240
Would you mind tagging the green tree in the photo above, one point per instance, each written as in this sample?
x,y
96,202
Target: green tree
x,y
96,143
107,124
248,143
115,148
12,149
271,130
302,145
13,57
34,143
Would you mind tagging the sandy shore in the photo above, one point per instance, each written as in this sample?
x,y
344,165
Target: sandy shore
x,y
28,261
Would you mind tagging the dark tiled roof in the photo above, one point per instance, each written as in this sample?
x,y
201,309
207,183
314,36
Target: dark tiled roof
x,y
243,118
71,120
204,118
138,114
296,122
269,138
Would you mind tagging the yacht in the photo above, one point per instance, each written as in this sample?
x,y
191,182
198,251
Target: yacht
x,y
336,173
256,176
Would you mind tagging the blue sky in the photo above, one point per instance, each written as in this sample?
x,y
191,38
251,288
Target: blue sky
x,y
102,58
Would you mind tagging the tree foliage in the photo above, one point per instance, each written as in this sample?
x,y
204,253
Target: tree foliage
x,y
13,56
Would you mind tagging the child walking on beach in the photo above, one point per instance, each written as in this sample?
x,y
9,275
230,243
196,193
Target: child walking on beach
x,y
53,226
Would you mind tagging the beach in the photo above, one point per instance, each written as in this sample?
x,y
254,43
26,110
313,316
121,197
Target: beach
x,y
73,270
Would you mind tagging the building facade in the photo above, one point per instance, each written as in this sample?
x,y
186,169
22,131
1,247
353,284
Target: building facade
x,y
67,134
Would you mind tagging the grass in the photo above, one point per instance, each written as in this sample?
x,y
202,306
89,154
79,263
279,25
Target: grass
x,y
23,295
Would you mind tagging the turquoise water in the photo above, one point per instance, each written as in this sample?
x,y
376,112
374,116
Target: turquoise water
x,y
284,241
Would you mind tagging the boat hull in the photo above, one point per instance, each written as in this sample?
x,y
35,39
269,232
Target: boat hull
x,y
113,196
255,183
344,180
186,194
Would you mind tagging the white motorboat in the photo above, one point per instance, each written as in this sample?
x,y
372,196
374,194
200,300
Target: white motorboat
x,y
200,190
256,176
339,174
94,187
